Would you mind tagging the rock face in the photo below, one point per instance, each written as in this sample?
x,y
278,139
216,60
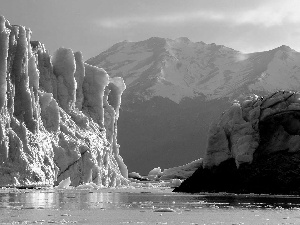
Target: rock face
x,y
58,116
177,88
253,147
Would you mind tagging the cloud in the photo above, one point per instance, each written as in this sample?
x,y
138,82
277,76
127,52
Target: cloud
x,y
259,26
267,14
273,13
165,19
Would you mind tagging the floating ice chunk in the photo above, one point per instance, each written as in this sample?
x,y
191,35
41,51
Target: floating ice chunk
x,y
134,175
164,210
175,182
95,185
64,183
16,182
155,172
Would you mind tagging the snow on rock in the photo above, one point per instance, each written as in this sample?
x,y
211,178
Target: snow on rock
x,y
52,123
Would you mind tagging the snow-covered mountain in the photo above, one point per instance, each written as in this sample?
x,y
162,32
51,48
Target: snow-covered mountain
x,y
175,88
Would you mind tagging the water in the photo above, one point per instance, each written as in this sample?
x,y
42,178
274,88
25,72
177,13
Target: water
x,y
143,206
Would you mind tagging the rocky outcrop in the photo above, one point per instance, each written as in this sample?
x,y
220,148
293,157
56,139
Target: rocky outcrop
x,y
253,147
57,120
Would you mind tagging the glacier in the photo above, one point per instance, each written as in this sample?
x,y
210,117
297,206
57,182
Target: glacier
x,y
58,116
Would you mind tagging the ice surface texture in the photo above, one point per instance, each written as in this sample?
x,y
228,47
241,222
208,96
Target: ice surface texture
x,y
57,120
245,127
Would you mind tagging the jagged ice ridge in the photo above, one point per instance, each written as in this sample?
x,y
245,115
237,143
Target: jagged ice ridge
x,y
58,116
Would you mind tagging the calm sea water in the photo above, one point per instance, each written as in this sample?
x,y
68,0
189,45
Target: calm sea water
x,y
144,206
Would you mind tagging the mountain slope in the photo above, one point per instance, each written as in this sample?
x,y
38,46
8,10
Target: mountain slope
x,y
175,88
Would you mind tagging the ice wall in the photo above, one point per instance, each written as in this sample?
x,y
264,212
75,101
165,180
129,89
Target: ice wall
x,y
257,125
52,116
94,83
64,67
253,148
112,103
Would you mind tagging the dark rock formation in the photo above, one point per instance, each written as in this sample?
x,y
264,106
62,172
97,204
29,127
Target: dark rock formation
x,y
254,147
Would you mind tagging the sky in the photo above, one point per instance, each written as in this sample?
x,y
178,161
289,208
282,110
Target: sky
x,y
92,26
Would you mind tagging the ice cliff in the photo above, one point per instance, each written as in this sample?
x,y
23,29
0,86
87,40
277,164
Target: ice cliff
x,y
258,124
58,116
253,147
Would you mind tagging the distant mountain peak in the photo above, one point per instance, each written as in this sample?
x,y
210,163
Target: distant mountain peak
x,y
156,40
183,39
284,48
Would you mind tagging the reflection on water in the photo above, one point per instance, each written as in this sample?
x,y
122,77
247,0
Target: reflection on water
x,y
68,199
105,199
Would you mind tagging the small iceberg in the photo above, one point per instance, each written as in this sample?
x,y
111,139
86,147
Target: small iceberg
x,y
64,184
164,210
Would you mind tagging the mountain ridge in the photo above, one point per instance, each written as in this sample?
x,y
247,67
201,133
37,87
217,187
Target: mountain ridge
x,y
176,88
162,62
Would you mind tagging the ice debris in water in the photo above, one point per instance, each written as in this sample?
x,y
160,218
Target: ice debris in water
x,y
155,171
164,210
90,185
175,182
64,184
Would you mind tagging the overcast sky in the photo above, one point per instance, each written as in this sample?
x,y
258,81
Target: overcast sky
x,y
92,26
